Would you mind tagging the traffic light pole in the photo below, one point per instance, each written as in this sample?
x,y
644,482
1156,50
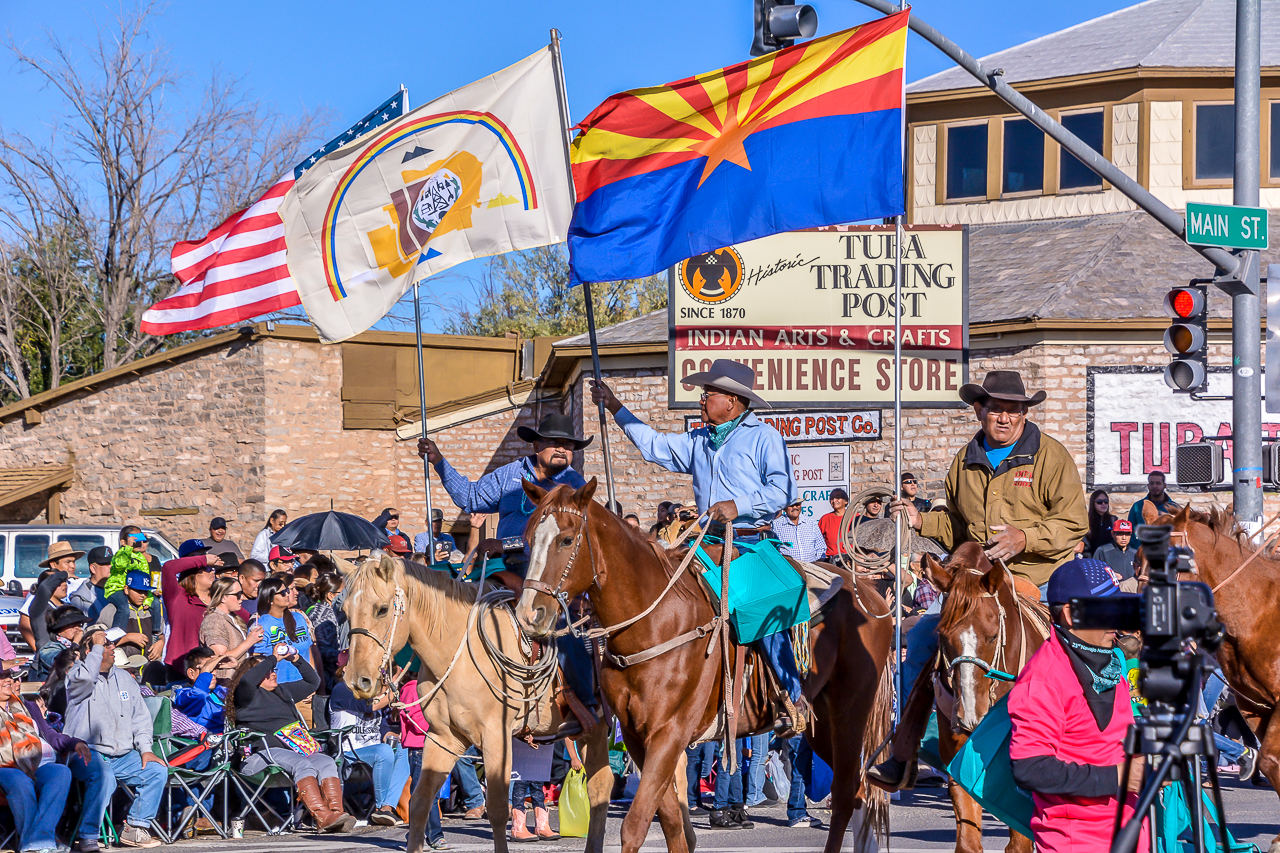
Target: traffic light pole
x,y
1246,320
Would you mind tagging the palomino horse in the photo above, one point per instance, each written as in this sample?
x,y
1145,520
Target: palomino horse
x,y
392,602
1246,590
984,627
670,697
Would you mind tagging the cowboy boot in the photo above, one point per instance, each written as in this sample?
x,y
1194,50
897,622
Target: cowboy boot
x,y
313,801
542,825
793,717
520,827
341,821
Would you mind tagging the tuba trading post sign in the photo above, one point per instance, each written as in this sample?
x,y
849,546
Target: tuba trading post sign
x,y
812,312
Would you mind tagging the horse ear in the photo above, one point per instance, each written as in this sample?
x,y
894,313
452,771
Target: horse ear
x,y
992,579
583,496
935,573
1183,516
387,566
1149,512
535,492
346,567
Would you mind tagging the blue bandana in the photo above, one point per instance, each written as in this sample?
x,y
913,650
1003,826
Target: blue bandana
x,y
719,433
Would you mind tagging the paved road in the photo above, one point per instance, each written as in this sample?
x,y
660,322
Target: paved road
x,y
921,821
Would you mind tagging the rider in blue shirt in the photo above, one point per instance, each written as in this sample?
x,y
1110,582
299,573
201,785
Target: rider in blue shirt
x,y
741,476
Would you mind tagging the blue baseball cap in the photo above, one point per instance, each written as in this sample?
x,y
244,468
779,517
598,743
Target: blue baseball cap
x,y
139,581
1081,578
193,546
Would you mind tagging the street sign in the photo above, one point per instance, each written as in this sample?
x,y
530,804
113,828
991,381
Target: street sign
x,y
1226,226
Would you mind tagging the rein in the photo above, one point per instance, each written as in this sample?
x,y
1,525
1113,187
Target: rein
x,y
1251,558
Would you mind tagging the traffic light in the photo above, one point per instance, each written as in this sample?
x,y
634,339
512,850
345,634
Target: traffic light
x,y
779,23
1187,338
1271,464
1198,463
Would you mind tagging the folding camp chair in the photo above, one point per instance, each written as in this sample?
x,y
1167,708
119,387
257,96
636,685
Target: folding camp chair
x,y
251,786
357,798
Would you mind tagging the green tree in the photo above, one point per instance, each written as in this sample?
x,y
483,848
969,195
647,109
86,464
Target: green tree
x,y
528,292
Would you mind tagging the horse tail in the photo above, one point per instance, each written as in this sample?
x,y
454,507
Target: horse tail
x,y
876,803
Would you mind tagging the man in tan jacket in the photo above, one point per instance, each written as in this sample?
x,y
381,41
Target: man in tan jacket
x,y
1013,489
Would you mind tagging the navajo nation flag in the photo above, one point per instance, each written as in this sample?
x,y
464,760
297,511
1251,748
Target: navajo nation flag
x,y
807,136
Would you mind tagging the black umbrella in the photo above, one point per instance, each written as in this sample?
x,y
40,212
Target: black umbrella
x,y
331,531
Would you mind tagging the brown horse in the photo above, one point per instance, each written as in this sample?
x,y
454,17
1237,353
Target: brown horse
x,y
392,602
1248,603
670,700
984,627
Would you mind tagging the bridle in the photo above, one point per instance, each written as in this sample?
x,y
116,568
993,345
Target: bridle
x,y
557,592
397,611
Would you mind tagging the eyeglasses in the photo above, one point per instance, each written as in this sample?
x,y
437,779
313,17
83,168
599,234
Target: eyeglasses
x,y
393,518
1102,501
284,592
236,594
705,394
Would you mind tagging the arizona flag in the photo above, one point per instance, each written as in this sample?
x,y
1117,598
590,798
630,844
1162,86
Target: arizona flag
x,y
810,135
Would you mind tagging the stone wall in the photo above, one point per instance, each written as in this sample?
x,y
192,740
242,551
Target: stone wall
x,y
183,434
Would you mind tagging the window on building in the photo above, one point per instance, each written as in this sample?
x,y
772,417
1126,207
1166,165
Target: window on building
x,y
1275,141
1215,141
1023,161
967,161
1073,174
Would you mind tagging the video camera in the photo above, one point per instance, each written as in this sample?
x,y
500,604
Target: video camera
x,y
1171,615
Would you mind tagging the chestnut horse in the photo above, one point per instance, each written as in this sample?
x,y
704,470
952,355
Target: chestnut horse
x,y
1248,603
392,602
666,702
985,626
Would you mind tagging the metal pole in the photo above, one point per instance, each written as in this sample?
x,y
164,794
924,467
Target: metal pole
x,y
595,371
1134,191
1246,342
897,466
422,407
562,92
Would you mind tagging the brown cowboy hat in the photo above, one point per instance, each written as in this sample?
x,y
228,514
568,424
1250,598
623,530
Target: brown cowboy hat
x,y
1000,385
553,425
58,550
728,375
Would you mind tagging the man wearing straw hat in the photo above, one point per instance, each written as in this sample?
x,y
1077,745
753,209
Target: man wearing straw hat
x,y
741,477
1013,489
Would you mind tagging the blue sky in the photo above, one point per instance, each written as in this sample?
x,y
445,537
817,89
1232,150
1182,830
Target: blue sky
x,y
348,57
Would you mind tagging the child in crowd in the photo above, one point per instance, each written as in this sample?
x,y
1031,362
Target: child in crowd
x,y
201,698
413,737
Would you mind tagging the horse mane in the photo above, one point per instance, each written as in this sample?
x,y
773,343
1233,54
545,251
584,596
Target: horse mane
x,y
1220,522
429,592
965,593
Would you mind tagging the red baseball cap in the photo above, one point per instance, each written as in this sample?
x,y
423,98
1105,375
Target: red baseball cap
x,y
1121,525
279,552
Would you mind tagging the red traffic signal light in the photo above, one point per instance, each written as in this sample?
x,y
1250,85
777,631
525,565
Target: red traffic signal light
x,y
1187,337
1185,303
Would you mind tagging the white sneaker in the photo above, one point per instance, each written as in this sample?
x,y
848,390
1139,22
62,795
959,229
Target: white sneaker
x,y
136,836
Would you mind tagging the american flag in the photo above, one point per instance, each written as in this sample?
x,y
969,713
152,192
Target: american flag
x,y
238,270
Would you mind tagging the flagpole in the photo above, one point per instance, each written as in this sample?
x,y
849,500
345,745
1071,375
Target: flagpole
x,y
897,417
422,409
563,98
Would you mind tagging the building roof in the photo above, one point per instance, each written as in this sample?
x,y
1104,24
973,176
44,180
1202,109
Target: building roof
x,y
19,483
643,329
1157,34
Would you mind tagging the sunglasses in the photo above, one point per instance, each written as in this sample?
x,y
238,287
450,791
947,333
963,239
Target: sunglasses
x,y
393,518
138,540
1102,501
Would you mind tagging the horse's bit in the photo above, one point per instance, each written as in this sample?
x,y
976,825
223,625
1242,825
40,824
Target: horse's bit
x,y
397,610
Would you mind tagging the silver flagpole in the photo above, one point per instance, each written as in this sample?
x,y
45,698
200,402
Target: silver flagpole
x,y
562,92
422,407
897,415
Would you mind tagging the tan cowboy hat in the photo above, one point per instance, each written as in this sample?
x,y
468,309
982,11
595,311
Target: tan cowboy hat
x,y
1000,385
58,550
728,375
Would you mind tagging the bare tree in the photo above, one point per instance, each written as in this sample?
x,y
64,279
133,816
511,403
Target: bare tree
x,y
128,173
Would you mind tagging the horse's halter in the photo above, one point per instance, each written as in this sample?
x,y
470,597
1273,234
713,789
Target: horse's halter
x,y
557,592
995,670
397,611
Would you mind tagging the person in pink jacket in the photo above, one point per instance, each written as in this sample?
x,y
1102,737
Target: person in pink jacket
x,y
413,736
1070,711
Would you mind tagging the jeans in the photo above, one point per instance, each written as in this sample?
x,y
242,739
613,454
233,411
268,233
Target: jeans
x,y
522,789
435,833
149,780
795,802
1214,685
777,648
922,646
37,805
468,782
1229,751
97,792
729,785
390,766
698,761
754,771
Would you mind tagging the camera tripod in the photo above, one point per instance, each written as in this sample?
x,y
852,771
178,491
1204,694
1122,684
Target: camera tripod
x,y
1180,742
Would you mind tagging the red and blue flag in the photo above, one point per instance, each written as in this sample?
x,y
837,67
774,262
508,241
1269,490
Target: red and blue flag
x,y
807,136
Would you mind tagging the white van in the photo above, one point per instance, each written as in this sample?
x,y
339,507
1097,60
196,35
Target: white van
x,y
24,546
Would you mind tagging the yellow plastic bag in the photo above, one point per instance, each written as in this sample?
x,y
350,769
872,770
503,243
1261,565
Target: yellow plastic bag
x,y
575,808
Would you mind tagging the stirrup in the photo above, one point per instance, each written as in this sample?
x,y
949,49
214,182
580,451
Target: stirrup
x,y
795,717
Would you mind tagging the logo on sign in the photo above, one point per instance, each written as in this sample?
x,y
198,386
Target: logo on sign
x,y
714,277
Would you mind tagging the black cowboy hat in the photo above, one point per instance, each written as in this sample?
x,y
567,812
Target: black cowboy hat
x,y
728,375
553,425
1000,385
